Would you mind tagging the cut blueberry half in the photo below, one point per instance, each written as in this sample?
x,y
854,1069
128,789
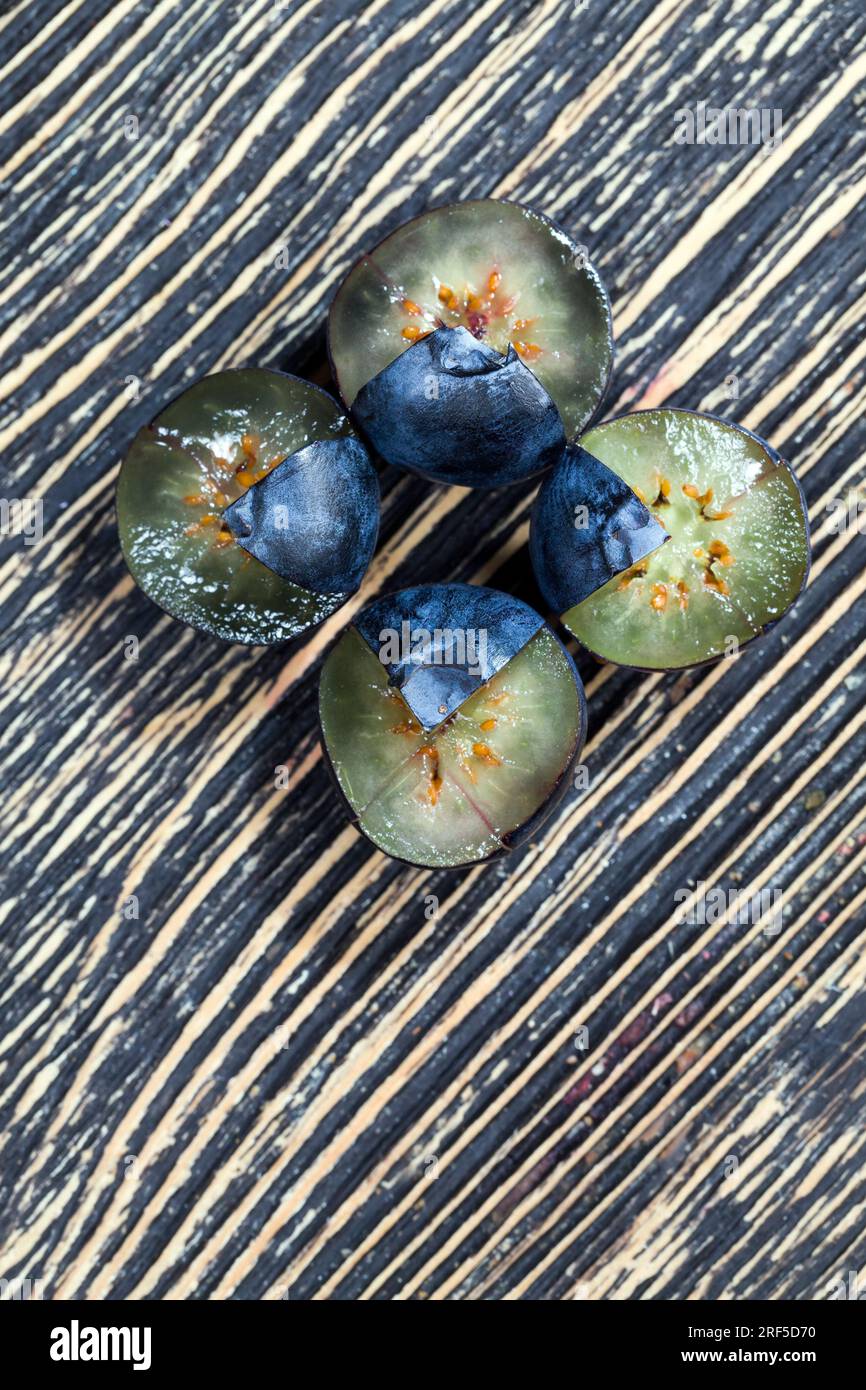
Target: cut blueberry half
x,y
524,291
587,526
738,551
247,508
457,753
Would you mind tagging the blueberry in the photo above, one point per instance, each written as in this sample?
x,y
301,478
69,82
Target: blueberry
x,y
459,753
587,527
738,554
456,411
246,508
516,283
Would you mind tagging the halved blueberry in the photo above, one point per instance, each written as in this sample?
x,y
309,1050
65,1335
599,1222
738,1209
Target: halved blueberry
x,y
587,526
247,508
483,758
516,283
738,554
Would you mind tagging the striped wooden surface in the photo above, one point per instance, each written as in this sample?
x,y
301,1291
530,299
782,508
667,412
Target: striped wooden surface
x,y
290,1075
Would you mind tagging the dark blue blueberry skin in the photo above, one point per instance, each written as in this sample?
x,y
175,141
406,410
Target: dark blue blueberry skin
x,y
574,552
314,520
456,411
433,688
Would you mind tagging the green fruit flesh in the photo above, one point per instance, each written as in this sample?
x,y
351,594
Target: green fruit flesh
x,y
739,547
199,455
455,795
501,271
535,721
368,728
403,823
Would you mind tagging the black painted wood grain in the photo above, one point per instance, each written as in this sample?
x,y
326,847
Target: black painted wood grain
x,y
288,1075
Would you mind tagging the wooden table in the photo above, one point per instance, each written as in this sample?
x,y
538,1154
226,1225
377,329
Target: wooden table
x,y
244,1054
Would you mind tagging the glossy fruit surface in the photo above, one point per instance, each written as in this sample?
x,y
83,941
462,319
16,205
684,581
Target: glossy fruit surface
x,y
237,435
439,643
503,272
314,518
738,554
455,411
478,779
587,527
